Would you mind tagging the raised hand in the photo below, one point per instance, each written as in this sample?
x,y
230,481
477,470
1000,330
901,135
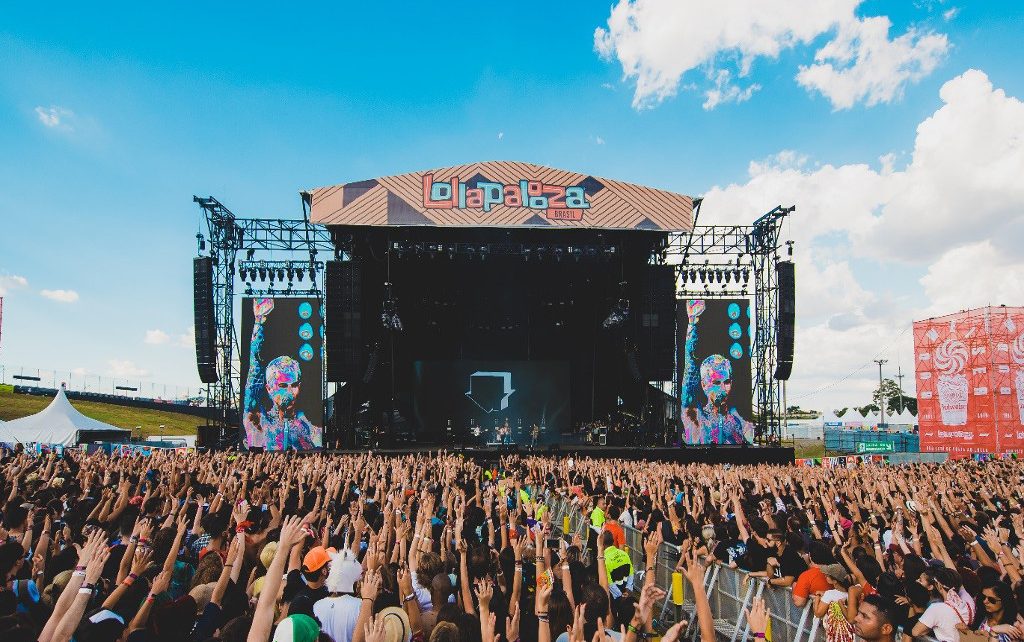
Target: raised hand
x,y
757,616
143,557
370,588
374,631
484,593
512,623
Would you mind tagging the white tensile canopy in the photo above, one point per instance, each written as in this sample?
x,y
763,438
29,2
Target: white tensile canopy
x,y
58,423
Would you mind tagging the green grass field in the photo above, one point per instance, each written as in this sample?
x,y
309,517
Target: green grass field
x,y
14,406
808,448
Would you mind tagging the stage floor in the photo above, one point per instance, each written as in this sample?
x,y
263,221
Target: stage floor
x,y
740,455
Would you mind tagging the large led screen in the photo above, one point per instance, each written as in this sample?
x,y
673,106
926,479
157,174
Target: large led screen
x,y
282,381
493,402
714,370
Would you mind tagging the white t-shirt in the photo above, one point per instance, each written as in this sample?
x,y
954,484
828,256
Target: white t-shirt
x,y
422,593
833,595
942,620
337,616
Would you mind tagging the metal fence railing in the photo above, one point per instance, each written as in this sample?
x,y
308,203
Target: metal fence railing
x,y
730,592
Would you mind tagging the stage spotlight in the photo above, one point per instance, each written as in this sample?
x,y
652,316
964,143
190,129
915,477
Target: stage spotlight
x,y
728,276
703,275
736,275
301,273
249,254
693,275
718,275
248,290
746,274
271,275
202,242
280,274
263,274
685,275
291,275
558,254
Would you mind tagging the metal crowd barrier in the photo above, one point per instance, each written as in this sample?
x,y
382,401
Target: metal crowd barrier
x,y
728,594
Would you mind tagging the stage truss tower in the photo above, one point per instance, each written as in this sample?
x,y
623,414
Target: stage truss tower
x,y
289,245
740,261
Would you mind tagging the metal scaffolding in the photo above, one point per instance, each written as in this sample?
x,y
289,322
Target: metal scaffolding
x,y
299,241
719,261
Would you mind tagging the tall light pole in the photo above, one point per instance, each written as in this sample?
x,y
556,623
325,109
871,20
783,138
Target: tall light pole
x,y
881,394
900,375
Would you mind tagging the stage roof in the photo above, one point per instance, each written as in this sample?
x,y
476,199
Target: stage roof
x,y
500,194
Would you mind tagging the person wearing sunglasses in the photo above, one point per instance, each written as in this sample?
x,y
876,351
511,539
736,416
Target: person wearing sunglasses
x,y
998,613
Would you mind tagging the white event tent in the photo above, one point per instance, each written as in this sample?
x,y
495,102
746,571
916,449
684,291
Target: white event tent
x,y
58,423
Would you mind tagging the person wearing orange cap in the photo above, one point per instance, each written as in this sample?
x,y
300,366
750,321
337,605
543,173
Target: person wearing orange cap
x,y
304,588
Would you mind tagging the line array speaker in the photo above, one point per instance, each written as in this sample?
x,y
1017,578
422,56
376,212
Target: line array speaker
x,y
786,319
206,328
657,323
343,302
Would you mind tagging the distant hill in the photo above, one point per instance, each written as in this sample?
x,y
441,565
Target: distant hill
x,y
15,406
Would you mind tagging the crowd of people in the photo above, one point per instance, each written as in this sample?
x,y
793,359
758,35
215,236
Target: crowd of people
x,y
362,548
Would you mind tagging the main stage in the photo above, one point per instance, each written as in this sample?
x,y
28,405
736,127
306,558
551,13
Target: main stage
x,y
735,455
498,302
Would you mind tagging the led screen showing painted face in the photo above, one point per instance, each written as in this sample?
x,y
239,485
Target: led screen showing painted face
x,y
282,400
714,358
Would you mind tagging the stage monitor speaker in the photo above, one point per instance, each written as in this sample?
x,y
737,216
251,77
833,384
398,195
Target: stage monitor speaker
x,y
785,320
206,327
343,302
656,337
208,436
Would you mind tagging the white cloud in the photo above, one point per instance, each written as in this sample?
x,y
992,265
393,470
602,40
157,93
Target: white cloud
x,y
963,183
725,91
156,337
55,117
124,368
880,246
501,135
599,140
863,65
62,296
993,277
79,371
11,282
658,41
950,13
188,339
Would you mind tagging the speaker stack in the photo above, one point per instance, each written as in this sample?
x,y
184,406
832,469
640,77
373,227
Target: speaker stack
x,y
786,319
206,329
343,303
657,323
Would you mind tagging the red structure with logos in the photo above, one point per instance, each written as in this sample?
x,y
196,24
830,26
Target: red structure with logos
x,y
970,381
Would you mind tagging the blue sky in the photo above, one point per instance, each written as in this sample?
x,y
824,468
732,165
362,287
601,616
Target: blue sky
x,y
111,119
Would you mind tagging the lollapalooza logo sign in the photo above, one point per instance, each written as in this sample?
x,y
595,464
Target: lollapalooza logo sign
x,y
558,202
